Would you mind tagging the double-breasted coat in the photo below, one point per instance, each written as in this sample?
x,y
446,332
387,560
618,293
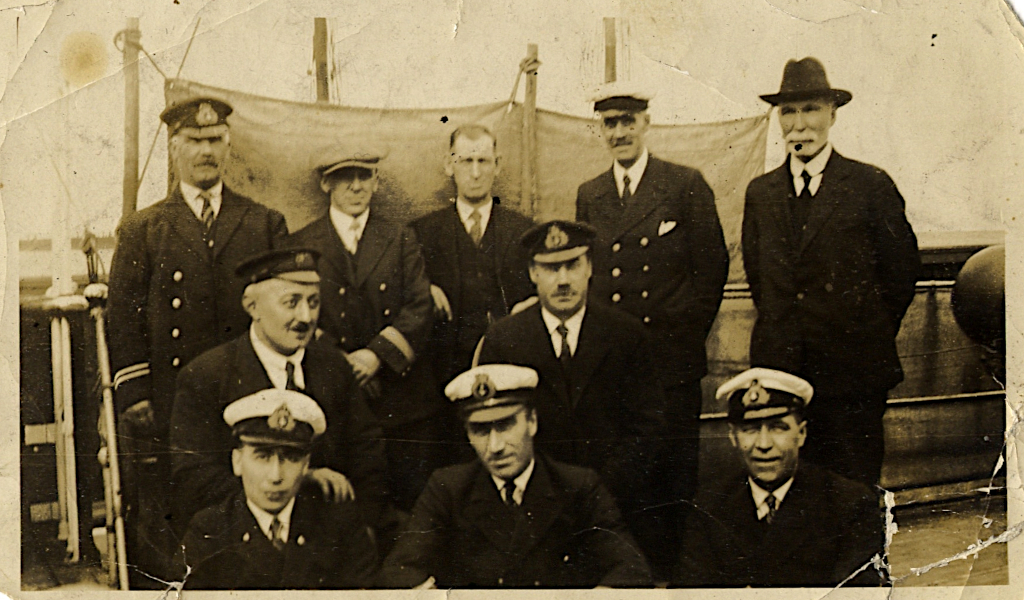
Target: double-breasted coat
x,y
566,534
662,259
826,528
439,233
830,296
202,441
329,547
172,297
379,299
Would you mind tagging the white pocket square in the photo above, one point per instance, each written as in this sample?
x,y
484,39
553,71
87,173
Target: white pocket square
x,y
665,227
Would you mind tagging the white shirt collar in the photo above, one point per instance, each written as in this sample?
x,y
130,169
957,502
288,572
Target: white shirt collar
x,y
814,168
635,172
343,225
465,209
191,195
573,324
274,362
760,495
264,519
520,482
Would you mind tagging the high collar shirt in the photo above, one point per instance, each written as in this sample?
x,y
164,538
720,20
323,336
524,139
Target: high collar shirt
x,y
815,167
191,195
521,481
264,519
573,324
274,363
465,209
349,235
760,495
635,172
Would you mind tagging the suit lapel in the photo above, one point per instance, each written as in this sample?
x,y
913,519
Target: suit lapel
x,y
499,233
547,363
790,527
338,260
376,239
649,193
826,200
541,507
232,210
248,376
450,231
184,221
486,510
591,348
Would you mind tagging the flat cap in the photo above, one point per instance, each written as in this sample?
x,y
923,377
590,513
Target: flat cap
x,y
557,241
293,264
196,113
365,156
761,393
277,418
491,392
621,95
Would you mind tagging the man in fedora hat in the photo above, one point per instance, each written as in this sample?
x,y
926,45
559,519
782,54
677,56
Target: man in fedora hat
x,y
832,264
781,521
173,295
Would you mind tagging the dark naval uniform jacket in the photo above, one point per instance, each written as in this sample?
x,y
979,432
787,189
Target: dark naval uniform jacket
x,y
202,441
612,416
830,297
379,299
441,235
172,297
662,259
329,547
567,533
826,528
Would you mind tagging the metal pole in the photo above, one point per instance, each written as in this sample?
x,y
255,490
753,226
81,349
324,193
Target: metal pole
x,y
67,431
609,49
529,142
57,370
130,54
320,58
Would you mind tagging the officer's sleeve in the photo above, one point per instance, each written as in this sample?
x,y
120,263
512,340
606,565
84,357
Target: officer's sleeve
x,y
896,254
863,538
398,344
420,549
356,562
696,302
582,206
126,316
622,564
750,241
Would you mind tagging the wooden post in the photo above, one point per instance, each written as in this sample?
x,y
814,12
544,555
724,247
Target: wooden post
x,y
529,142
609,49
130,54
320,58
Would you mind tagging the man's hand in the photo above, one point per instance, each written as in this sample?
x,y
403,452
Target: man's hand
x,y
140,415
441,306
429,584
525,304
333,484
365,364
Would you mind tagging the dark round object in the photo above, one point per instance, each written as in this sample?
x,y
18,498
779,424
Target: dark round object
x,y
979,298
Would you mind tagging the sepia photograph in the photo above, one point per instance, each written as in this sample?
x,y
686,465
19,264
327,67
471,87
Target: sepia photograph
x,y
682,298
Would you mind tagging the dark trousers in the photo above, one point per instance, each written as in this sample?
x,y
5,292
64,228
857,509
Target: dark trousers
x,y
845,434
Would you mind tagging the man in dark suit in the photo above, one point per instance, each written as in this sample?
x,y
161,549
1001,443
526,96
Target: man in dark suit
x,y
173,295
278,352
514,518
275,534
474,261
660,256
377,308
832,264
599,396
783,522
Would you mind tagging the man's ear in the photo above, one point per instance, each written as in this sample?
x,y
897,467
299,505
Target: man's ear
x,y
533,272
732,437
236,461
802,434
249,302
325,185
449,164
531,422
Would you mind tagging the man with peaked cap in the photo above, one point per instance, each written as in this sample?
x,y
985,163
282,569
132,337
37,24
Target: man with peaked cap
x,y
378,310
277,533
660,255
783,521
173,295
278,352
832,264
599,397
514,518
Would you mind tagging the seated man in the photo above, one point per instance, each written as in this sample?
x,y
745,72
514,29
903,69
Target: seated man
x,y
784,522
513,518
277,534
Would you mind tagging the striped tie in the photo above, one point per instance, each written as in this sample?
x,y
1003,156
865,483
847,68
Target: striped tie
x,y
772,503
207,216
475,231
510,493
627,193
275,534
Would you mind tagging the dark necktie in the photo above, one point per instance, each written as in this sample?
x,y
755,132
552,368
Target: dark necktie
x,y
565,357
772,503
207,213
275,533
510,493
289,369
627,194
802,205
806,193
475,231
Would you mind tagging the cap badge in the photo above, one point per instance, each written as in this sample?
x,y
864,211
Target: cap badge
x,y
483,387
556,238
756,395
281,419
206,116
304,260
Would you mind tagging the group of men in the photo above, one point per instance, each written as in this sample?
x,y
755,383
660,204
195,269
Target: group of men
x,y
297,405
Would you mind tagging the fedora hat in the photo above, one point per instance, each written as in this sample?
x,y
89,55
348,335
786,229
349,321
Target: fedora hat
x,y
803,80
